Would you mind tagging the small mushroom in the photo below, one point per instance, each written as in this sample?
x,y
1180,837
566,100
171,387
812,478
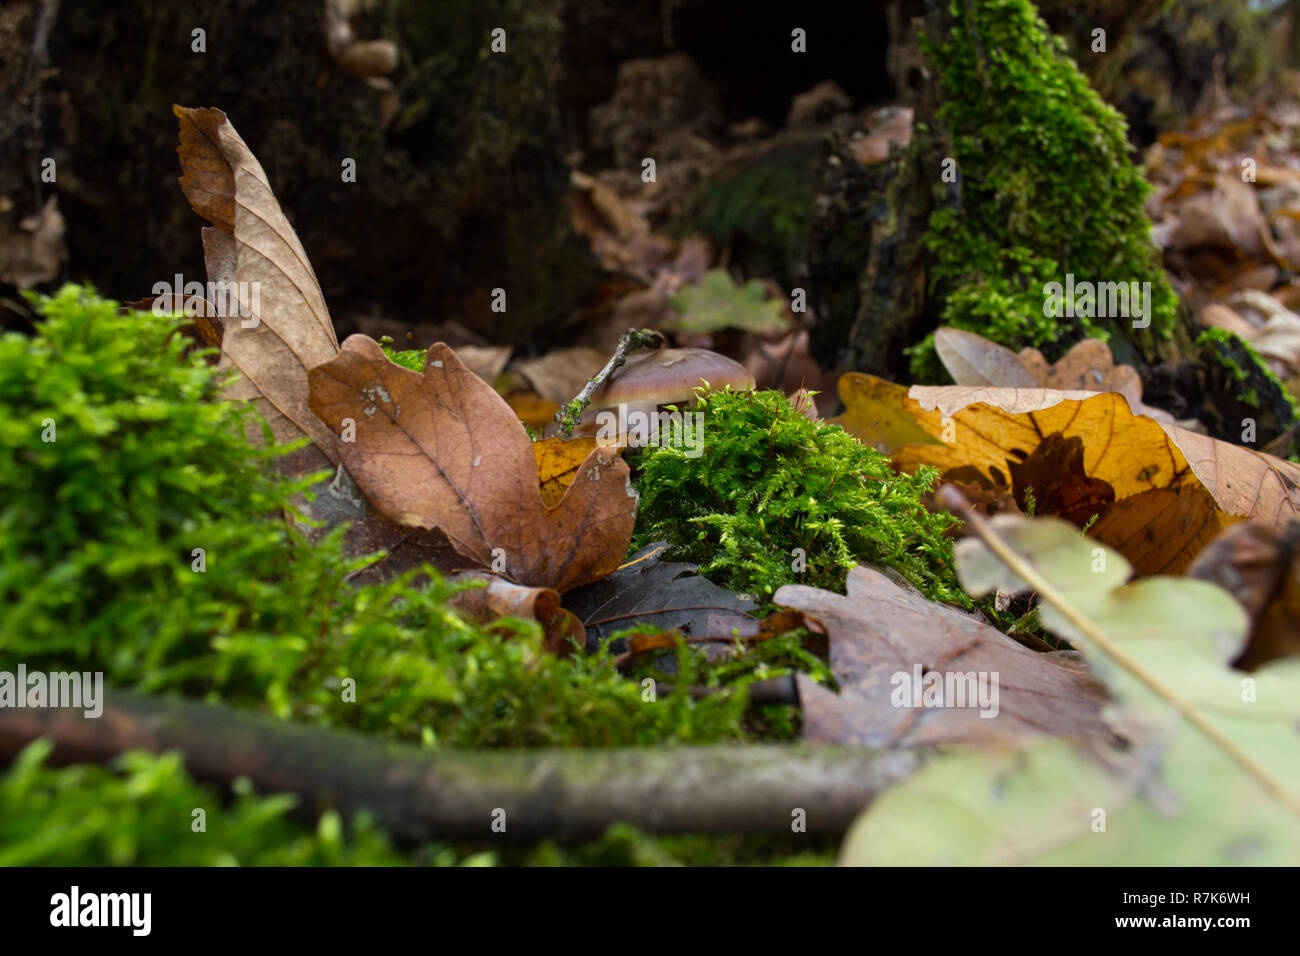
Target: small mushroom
x,y
662,377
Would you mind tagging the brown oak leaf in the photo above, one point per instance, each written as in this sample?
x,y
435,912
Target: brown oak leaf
x,y
441,449
884,637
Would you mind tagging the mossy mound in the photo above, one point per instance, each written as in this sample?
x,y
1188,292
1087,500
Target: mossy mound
x,y
117,461
98,570
775,498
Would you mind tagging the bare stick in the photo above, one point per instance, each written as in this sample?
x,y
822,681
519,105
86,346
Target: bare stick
x,y
420,794
632,340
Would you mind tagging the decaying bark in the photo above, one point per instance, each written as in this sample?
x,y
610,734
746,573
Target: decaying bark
x,y
418,795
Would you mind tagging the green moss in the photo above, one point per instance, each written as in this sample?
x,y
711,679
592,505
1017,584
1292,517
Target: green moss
x,y
1045,186
770,481
97,530
141,812
624,845
410,358
761,214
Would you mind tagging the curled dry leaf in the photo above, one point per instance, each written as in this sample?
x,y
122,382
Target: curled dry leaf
x,y
1088,367
884,638
251,246
205,322
501,598
440,449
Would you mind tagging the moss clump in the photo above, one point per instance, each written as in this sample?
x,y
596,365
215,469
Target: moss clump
x,y
1046,186
409,358
770,481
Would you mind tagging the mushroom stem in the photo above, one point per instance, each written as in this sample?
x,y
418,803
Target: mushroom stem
x,y
632,340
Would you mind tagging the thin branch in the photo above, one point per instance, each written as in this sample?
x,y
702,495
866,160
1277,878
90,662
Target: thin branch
x,y
632,340
420,794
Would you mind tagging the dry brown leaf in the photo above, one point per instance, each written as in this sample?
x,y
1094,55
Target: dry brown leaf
x,y
881,630
560,375
442,449
485,361
32,252
990,427
250,241
1259,565
1228,216
1217,316
1053,473
1088,367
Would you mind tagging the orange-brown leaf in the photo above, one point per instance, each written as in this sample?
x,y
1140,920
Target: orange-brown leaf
x,y
442,449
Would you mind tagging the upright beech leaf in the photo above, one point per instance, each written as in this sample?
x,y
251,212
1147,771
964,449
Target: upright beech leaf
x,y
1211,771
881,630
1089,367
973,360
251,243
441,449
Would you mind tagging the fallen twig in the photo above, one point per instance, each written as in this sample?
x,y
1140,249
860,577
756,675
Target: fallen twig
x,y
632,340
420,794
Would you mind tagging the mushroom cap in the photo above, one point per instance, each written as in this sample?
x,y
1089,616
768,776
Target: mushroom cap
x,y
664,376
